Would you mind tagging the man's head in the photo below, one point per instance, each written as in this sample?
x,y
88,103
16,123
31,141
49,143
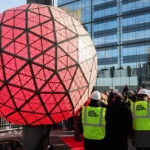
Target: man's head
x,y
119,97
96,95
143,93
115,91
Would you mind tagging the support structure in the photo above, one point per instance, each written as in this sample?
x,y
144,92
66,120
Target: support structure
x,y
36,137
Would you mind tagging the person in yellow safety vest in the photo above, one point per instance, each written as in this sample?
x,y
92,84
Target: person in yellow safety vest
x,y
131,98
141,121
93,121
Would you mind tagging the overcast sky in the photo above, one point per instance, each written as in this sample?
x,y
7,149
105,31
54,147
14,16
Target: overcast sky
x,y
6,4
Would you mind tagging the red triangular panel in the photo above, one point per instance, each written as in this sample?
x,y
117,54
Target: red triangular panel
x,y
39,82
46,120
46,88
30,85
19,102
14,90
16,81
49,25
57,117
56,110
56,13
55,84
40,110
59,97
35,11
4,95
20,96
65,104
22,39
33,38
34,52
9,72
50,106
43,18
17,32
73,86
27,107
50,36
59,26
37,30
7,32
46,44
24,79
47,73
33,19
6,110
10,104
30,119
37,45
8,15
5,41
28,94
67,114
45,11
15,116
20,20
75,97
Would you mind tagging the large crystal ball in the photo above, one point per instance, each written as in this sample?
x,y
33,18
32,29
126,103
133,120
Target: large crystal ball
x,y
48,65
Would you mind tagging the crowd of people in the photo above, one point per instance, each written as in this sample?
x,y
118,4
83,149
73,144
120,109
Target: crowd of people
x,y
110,118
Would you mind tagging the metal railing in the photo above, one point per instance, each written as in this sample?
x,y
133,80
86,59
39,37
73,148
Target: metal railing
x,y
6,126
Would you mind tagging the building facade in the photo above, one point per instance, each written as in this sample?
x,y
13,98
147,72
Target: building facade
x,y
120,30
45,2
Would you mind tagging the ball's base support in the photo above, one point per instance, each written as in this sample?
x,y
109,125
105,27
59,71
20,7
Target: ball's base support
x,y
35,137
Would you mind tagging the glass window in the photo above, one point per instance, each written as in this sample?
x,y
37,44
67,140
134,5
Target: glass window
x,y
139,4
146,3
87,14
104,12
147,33
96,2
135,5
101,54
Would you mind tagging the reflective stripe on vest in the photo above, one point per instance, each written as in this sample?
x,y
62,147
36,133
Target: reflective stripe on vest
x,y
93,120
141,115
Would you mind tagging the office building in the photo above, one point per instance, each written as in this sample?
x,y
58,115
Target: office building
x,y
120,30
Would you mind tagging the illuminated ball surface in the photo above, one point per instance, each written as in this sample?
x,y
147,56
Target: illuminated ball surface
x,y
48,65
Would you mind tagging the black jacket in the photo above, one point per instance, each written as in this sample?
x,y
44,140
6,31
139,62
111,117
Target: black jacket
x,y
118,125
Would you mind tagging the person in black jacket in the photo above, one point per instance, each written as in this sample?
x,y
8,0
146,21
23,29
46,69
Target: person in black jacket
x,y
118,124
125,91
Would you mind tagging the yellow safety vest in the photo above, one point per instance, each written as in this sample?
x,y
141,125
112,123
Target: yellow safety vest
x,y
93,120
131,103
141,115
